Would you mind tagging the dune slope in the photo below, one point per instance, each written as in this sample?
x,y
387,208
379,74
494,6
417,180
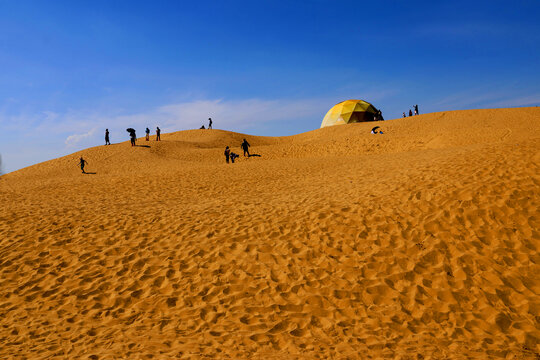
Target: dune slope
x,y
332,244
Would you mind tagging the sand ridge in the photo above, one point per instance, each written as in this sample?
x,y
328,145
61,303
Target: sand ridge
x,y
334,244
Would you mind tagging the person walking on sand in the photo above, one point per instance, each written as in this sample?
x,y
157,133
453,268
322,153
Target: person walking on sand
x,y
147,134
209,123
158,134
410,112
82,162
404,114
107,142
227,153
416,109
245,146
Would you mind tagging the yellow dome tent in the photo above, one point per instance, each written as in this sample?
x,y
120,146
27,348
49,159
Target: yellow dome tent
x,y
349,111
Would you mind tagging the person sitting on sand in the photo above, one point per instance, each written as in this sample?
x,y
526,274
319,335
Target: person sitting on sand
x,y
404,114
158,134
234,156
82,162
245,146
107,142
227,154
202,127
147,134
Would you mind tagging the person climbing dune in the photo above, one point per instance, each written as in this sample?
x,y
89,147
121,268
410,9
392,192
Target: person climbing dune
x,y
82,162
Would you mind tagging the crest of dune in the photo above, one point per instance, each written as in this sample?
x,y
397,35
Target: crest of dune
x,y
335,243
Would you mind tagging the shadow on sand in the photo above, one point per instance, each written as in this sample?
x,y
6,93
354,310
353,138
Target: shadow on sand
x,y
146,146
254,155
89,173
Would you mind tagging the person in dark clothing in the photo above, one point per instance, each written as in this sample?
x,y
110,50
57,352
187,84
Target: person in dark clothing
x,y
133,137
234,156
404,114
107,142
245,146
416,109
147,134
410,112
227,154
158,134
82,162
209,123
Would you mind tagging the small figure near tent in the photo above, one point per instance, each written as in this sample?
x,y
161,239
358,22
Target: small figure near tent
x,y
416,109
410,112
404,114
82,162
147,131
132,135
107,142
158,134
233,156
245,146
227,154
209,123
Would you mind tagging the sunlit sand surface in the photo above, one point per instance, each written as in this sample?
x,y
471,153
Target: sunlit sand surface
x,y
335,243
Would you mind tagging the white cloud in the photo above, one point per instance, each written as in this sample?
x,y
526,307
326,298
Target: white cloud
x,y
532,100
482,97
241,114
75,139
235,115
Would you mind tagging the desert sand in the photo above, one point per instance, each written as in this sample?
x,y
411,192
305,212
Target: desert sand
x,y
335,243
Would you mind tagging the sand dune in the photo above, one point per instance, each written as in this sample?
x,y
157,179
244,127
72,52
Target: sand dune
x,y
335,243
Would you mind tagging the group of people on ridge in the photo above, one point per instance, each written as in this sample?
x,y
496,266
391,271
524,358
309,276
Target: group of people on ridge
x,y
209,124
410,111
232,156
133,135
229,155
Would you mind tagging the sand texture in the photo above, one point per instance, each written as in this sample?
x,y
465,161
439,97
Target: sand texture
x,y
419,243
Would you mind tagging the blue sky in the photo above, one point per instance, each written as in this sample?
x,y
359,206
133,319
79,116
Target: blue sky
x,y
70,69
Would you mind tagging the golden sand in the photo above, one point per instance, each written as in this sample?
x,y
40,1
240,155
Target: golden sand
x,y
335,243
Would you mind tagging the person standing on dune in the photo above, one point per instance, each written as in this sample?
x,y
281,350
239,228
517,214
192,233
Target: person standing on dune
x,y
410,112
245,146
404,114
147,134
416,109
82,162
209,123
158,134
107,142
227,153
